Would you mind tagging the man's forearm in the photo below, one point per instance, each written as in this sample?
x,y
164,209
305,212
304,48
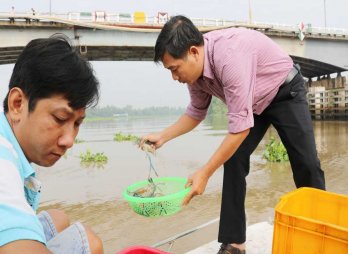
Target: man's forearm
x,y
184,124
24,246
227,148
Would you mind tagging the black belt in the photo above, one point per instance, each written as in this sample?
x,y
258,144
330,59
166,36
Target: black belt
x,y
293,72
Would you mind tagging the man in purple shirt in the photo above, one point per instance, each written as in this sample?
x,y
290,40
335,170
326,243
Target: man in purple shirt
x,y
260,86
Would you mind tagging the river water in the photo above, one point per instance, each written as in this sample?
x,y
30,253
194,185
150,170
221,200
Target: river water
x,y
93,194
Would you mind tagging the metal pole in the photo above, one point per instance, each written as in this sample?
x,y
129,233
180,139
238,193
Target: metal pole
x,y
250,14
50,9
171,240
325,13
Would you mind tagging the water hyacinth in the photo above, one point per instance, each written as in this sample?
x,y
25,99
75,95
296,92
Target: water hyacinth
x,y
119,137
275,151
91,157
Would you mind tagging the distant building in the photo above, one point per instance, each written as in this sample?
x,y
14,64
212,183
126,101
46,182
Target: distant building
x,y
120,115
328,98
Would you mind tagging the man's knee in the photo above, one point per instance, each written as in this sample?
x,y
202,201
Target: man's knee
x,y
95,243
60,219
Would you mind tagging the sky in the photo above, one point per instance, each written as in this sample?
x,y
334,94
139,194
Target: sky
x,y
143,84
138,84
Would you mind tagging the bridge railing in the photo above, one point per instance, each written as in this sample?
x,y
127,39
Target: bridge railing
x,y
141,17
308,28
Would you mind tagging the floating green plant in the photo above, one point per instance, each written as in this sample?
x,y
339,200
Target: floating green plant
x,y
275,151
119,137
90,157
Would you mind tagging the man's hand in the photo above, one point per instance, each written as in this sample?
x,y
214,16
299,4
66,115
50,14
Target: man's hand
x,y
198,181
155,140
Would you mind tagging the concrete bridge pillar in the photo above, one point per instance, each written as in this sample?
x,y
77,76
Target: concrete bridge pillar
x,y
327,82
328,97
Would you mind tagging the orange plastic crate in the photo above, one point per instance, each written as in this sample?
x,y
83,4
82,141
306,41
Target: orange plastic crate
x,y
311,221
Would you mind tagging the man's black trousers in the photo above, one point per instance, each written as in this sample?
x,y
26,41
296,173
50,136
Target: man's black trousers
x,y
290,116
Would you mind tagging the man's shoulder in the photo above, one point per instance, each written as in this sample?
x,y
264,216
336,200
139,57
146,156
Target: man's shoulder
x,y
229,38
228,31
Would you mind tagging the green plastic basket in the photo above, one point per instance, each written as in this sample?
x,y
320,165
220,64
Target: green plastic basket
x,y
172,190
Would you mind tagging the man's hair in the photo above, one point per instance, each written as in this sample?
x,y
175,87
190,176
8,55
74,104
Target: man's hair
x,y
176,37
51,66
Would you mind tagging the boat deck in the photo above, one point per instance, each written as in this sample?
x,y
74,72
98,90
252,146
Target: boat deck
x,y
259,241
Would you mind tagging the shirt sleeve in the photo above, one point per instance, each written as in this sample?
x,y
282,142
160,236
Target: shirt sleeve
x,y
236,70
18,220
199,103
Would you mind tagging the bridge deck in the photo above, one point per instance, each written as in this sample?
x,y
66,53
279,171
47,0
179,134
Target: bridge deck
x,y
115,41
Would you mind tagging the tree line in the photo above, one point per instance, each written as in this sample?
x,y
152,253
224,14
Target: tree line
x,y
216,107
111,111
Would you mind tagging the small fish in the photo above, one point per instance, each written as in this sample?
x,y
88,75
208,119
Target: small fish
x,y
147,191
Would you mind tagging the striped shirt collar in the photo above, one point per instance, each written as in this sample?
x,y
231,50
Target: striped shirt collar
x,y
207,71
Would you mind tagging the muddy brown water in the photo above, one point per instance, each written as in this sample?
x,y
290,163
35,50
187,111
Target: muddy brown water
x,y
93,195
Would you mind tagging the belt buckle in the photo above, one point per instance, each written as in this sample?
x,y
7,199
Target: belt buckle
x,y
297,67
293,72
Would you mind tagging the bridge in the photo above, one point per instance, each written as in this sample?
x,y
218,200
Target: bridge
x,y
320,52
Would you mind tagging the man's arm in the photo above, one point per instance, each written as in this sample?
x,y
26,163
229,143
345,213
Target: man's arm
x,y
24,246
228,147
184,124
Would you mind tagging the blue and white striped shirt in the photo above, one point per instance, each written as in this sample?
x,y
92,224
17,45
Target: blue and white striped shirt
x,y
19,191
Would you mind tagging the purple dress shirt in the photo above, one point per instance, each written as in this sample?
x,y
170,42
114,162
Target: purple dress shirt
x,y
242,67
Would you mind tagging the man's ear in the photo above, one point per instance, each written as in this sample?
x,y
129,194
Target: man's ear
x,y
16,103
194,51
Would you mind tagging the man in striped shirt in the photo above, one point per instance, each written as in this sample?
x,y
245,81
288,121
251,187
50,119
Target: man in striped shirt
x,y
260,86
50,88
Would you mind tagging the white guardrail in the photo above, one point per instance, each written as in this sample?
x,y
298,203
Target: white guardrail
x,y
162,17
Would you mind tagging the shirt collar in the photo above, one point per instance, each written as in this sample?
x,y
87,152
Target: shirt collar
x,y
207,71
5,129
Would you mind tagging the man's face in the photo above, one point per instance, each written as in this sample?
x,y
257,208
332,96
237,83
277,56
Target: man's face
x,y
187,69
48,131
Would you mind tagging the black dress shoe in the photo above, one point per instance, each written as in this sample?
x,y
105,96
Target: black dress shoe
x,y
229,249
